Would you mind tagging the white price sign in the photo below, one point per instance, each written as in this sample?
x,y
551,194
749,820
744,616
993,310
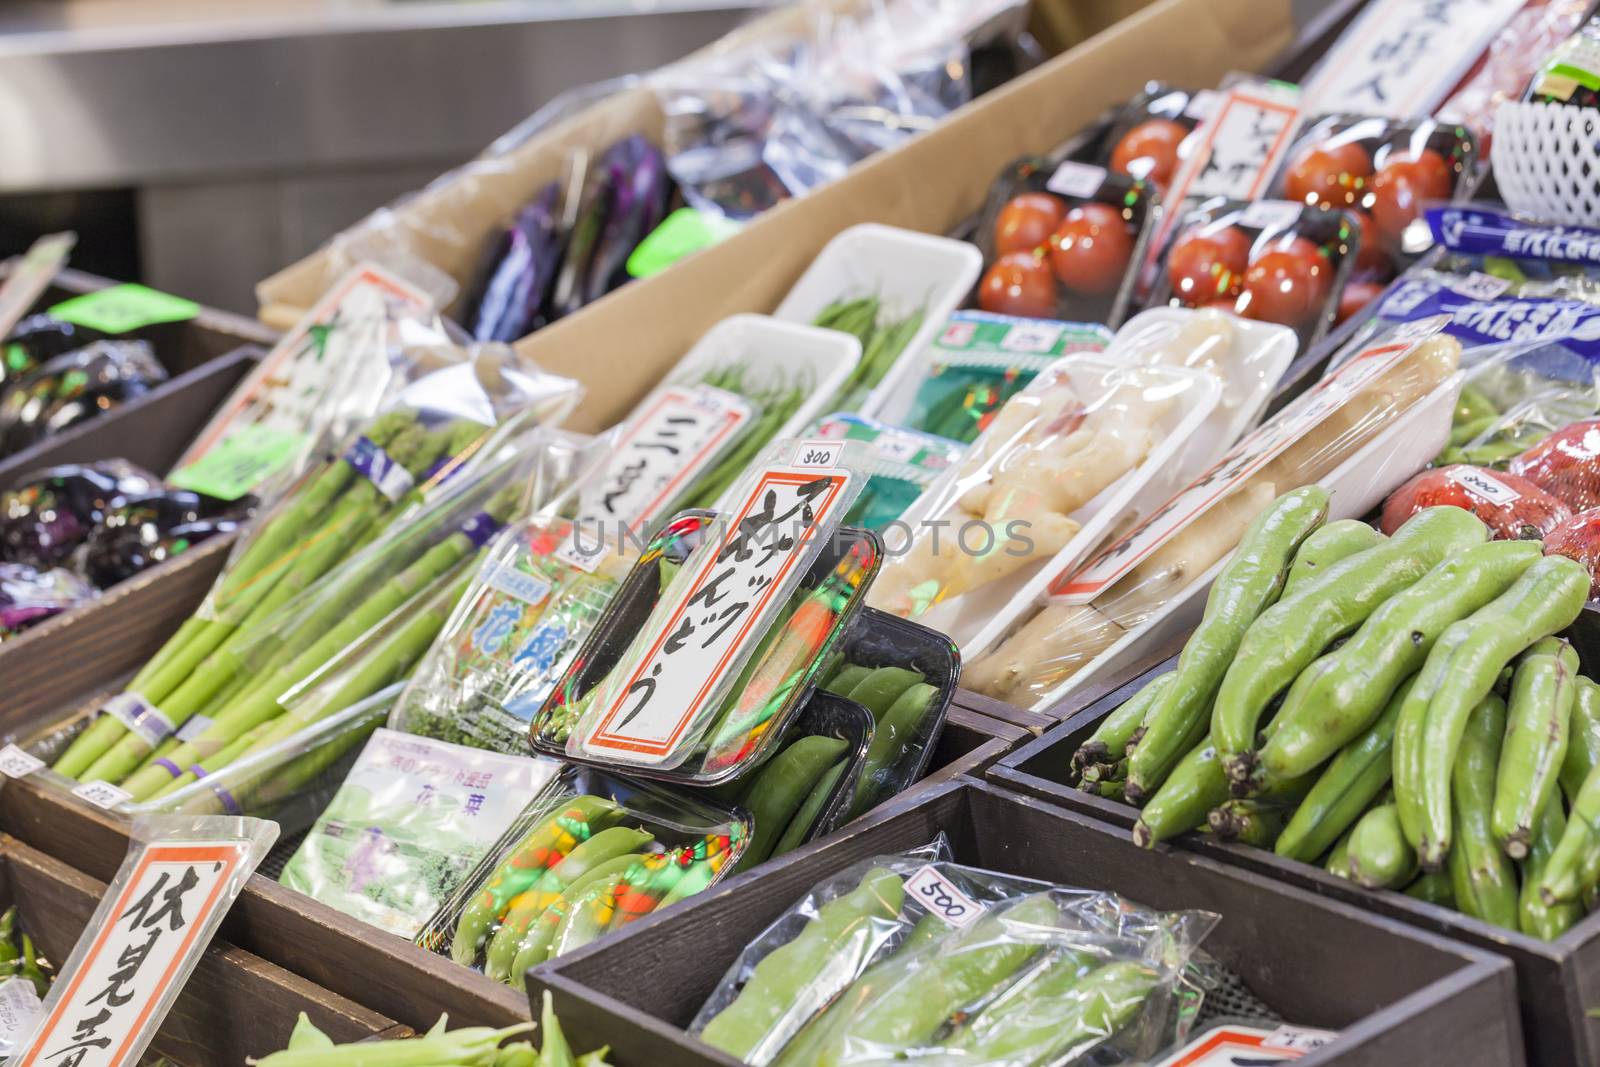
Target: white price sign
x,y
32,276
15,763
718,615
106,1007
1077,180
1482,484
1245,459
941,897
1234,1046
1241,144
101,794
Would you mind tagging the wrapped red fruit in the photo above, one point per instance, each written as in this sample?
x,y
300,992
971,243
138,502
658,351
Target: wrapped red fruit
x,y
1566,465
1513,508
1579,538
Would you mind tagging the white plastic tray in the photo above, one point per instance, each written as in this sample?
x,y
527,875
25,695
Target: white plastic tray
x,y
904,269
1357,486
971,618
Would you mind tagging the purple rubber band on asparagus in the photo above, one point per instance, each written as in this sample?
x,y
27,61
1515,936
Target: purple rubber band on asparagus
x,y
379,468
229,805
168,766
480,528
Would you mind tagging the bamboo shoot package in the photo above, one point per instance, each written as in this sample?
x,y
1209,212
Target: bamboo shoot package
x,y
1361,427
591,853
301,599
693,677
914,957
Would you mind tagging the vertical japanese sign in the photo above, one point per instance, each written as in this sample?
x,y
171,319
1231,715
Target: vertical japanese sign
x,y
1402,57
700,638
1246,458
139,948
32,276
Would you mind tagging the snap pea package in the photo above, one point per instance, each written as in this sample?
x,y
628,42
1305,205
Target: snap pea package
x,y
412,818
915,957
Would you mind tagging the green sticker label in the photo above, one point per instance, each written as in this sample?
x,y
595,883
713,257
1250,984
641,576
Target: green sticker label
x,y
121,308
240,461
680,233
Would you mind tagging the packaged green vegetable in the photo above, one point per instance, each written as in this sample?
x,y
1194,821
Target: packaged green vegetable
x,y
902,464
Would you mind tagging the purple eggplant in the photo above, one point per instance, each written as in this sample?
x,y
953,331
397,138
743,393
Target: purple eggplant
x,y
45,519
29,596
38,339
75,386
622,202
146,530
511,303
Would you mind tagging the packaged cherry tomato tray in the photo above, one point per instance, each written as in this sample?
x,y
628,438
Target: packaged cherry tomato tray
x,y
1271,260
1141,138
1059,240
1385,172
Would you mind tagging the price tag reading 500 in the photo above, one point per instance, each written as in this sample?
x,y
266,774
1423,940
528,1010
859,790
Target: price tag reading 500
x,y
936,893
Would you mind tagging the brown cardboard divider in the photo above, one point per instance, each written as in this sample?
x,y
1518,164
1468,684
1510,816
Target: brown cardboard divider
x,y
1557,981
1397,995
234,1005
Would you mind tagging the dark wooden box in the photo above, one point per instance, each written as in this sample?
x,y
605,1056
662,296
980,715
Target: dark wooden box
x,y
1398,995
234,1005
1558,982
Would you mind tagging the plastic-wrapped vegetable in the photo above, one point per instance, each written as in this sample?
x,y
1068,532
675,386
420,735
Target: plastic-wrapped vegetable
x,y
520,271
37,339
46,518
29,596
1579,538
75,386
1566,464
1511,506
622,202
1016,972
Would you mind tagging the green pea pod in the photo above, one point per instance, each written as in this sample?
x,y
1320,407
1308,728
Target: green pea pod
x,y
553,1048
1379,855
1464,432
1567,876
1536,918
805,818
8,933
891,741
1545,600
1434,888
1538,721
1344,789
1326,546
1111,739
847,678
591,912
1337,862
1341,694
696,879
1484,880
780,788
30,968
882,686
1583,744
1293,632
1196,785
929,929
1249,822
1059,1015
1410,731
1248,584
937,985
798,979
1472,404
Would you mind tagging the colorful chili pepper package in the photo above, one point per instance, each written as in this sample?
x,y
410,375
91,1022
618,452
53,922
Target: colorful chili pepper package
x,y
910,956
589,854
1384,172
1270,260
902,465
411,820
1059,241
693,678
975,364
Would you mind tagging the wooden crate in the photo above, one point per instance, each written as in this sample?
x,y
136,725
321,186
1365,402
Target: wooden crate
x,y
1396,994
234,1005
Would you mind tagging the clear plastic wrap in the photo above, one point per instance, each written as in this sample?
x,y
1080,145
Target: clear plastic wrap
x,y
1060,241
1146,137
1063,464
915,957
157,917
588,854
73,387
1134,580
1513,57
904,464
1271,260
681,680
411,819
28,596
1513,507
1579,538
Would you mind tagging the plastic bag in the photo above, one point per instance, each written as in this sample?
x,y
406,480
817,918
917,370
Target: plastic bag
x,y
1060,241
905,463
1136,578
589,854
29,596
735,689
51,513
1579,538
1066,460
73,387
1513,56
916,957
410,821
144,939
38,339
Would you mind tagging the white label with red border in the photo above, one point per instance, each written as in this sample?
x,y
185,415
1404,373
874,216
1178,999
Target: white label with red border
x,y
940,896
1242,143
1246,458
1232,1046
1402,58
32,276
105,1010
642,713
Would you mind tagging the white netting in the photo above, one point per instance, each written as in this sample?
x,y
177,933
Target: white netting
x,y
1547,160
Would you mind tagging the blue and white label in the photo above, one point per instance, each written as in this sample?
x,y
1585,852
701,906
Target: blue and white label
x,y
379,468
1476,231
142,718
1532,321
519,585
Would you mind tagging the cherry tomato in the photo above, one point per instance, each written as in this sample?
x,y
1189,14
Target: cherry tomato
x,y
1370,255
1282,285
1150,150
1308,251
1018,284
1329,175
1026,222
1205,267
1356,296
1089,252
1400,188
